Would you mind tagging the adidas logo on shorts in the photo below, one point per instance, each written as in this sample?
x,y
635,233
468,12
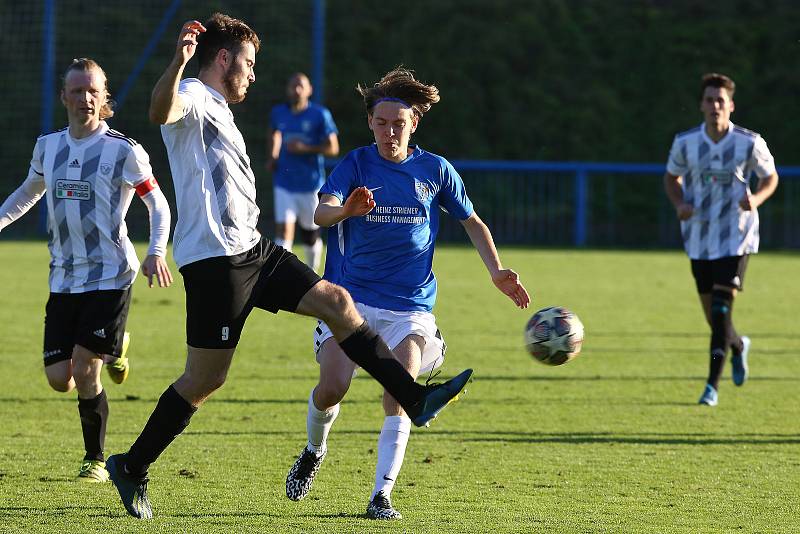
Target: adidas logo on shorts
x,y
100,333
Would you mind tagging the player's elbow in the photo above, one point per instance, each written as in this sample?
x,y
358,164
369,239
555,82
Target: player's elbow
x,y
156,116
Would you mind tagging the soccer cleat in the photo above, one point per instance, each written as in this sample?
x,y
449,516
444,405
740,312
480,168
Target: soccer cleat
x,y
380,507
437,397
739,363
119,368
132,491
709,397
302,473
93,471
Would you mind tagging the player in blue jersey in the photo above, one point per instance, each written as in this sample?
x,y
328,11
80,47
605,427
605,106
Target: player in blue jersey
x,y
301,134
383,202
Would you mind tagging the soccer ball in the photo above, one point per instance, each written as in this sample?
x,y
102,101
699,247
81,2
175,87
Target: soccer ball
x,y
554,335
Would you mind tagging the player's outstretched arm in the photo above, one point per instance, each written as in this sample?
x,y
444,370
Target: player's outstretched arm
x,y
506,280
165,104
330,210
21,200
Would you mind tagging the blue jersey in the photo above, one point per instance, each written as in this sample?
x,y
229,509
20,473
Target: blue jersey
x,y
385,258
312,126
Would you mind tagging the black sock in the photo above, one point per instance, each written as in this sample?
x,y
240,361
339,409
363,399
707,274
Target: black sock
x,y
721,333
367,349
736,340
94,415
168,420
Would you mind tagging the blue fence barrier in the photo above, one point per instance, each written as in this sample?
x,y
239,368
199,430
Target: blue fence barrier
x,y
597,204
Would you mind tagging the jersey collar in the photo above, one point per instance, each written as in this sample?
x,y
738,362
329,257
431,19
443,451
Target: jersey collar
x,y
710,141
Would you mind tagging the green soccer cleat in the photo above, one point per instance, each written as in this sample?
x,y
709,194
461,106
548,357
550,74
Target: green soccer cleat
x,y
437,397
93,471
132,491
118,369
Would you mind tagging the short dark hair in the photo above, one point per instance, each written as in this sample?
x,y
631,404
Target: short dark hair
x,y
225,32
86,64
714,79
400,83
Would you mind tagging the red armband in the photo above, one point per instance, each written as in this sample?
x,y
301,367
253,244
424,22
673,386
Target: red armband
x,y
146,186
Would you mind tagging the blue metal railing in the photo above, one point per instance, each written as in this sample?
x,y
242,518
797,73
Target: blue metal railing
x,y
596,204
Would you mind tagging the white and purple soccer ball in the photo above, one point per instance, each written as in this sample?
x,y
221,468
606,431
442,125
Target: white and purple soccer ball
x,y
554,336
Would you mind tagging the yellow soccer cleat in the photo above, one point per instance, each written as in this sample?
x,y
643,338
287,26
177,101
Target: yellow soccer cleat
x,y
93,471
119,368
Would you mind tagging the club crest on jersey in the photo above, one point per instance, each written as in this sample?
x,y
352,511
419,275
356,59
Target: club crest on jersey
x,y
105,168
422,190
73,189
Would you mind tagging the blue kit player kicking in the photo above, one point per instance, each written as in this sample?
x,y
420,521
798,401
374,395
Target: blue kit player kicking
x,y
383,202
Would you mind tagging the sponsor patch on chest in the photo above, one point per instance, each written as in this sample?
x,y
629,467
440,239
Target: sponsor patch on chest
x,y
73,189
712,176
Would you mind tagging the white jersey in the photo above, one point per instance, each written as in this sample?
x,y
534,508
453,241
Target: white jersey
x,y
89,184
715,178
215,188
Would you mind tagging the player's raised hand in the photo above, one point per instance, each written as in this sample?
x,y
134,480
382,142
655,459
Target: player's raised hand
x,y
508,282
360,202
156,266
187,40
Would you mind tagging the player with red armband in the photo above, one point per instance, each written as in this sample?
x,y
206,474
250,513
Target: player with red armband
x,y
87,174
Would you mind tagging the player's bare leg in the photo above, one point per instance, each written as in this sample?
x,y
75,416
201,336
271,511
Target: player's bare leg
x,y
336,373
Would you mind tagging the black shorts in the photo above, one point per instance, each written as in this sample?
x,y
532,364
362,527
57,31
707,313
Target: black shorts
x,y
222,291
95,320
728,271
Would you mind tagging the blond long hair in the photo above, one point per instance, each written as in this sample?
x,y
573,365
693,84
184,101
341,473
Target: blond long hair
x,y
85,64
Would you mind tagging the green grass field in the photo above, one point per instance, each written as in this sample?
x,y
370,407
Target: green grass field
x,y
612,442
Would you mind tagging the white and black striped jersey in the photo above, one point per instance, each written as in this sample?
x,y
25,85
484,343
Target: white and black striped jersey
x,y
88,185
715,178
215,188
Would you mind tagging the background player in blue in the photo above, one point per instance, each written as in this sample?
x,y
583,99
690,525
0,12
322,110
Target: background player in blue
x,y
301,135
385,201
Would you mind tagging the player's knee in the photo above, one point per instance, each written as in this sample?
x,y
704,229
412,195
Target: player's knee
x,y
331,391
337,304
308,237
721,300
61,384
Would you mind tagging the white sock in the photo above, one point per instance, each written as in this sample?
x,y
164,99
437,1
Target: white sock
x,y
314,254
391,451
318,425
281,242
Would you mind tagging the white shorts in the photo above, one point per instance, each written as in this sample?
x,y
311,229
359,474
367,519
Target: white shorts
x,y
291,207
394,327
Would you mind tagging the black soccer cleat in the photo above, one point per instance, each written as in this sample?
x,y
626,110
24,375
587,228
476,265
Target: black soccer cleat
x,y
301,475
380,507
437,397
132,491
